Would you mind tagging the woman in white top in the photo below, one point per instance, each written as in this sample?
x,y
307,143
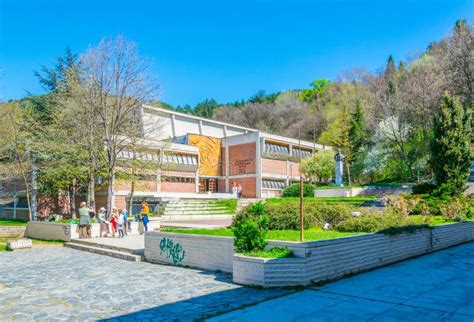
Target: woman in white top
x,y
234,190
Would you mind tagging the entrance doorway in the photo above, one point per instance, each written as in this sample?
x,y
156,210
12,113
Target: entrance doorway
x,y
207,185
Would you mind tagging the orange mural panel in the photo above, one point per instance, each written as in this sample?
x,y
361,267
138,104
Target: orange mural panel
x,y
209,153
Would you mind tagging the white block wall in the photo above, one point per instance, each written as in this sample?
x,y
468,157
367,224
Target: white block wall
x,y
12,231
205,252
56,231
332,259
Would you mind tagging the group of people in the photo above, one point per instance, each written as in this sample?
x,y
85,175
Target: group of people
x,y
236,190
111,224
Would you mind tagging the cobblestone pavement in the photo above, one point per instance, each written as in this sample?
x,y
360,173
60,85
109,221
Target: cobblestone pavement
x,y
66,284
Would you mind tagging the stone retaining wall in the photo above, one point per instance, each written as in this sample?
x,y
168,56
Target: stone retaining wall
x,y
12,231
66,232
199,251
332,259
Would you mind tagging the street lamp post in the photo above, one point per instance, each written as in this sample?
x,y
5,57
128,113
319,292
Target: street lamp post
x,y
301,193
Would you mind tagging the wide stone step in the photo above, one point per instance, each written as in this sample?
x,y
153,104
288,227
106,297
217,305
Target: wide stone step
x,y
195,208
196,212
195,217
87,242
102,251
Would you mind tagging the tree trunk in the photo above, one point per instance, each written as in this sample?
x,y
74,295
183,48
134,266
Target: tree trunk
x,y
132,193
72,201
91,191
110,191
348,172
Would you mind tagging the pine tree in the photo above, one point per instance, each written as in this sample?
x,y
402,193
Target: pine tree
x,y
390,68
450,147
358,135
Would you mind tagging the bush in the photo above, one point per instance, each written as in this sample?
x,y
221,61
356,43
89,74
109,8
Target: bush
x,y
250,229
423,188
287,215
275,252
373,222
294,190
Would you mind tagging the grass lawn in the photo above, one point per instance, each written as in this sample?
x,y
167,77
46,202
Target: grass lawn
x,y
311,234
314,233
36,242
12,222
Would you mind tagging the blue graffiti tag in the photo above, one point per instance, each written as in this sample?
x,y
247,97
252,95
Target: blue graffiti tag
x,y
172,250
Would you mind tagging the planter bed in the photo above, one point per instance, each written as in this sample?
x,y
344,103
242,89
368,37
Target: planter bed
x,y
311,262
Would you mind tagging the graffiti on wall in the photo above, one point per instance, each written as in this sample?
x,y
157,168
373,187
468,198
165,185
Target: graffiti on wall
x,y
171,250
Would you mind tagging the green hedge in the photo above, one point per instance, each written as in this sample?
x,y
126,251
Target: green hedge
x,y
294,190
287,215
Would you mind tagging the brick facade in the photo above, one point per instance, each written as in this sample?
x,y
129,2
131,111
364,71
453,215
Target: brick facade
x,y
249,186
242,159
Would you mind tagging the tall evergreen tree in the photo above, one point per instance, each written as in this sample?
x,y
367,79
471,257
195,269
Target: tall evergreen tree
x,y
358,134
390,68
450,147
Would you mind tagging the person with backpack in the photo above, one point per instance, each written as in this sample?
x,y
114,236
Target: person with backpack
x,y
144,215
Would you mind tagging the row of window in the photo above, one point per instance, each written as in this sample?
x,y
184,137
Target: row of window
x,y
139,155
177,179
275,148
173,158
301,153
180,159
280,149
273,184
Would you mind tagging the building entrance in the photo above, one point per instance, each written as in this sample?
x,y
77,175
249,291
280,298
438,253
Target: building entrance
x,y
207,185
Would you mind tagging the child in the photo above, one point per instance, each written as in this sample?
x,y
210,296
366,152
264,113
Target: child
x,y
113,221
120,223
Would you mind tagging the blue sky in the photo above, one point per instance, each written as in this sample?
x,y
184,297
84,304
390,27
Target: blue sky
x,y
226,50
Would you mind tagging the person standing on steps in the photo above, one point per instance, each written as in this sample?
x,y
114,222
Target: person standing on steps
x,y
239,190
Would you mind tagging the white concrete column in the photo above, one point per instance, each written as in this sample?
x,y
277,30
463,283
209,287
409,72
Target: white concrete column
x,y
200,127
227,166
173,125
158,172
258,155
225,131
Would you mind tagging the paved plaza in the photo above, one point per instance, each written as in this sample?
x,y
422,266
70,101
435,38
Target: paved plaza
x,y
435,287
66,284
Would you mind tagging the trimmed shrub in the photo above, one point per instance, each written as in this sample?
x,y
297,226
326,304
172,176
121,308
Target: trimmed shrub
x,y
294,190
287,215
423,188
373,222
250,229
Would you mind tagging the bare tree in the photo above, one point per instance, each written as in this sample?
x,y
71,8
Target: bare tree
x,y
117,82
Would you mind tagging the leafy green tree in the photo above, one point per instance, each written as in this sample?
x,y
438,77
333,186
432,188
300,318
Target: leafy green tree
x,y
450,147
320,166
17,149
316,92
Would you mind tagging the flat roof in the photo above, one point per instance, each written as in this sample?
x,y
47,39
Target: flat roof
x,y
275,137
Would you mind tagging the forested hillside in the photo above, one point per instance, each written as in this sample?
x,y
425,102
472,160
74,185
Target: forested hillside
x,y
381,121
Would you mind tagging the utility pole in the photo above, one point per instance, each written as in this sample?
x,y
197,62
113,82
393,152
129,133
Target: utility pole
x,y
301,193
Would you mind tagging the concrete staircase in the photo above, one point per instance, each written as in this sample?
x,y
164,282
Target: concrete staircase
x,y
195,209
134,255
244,202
